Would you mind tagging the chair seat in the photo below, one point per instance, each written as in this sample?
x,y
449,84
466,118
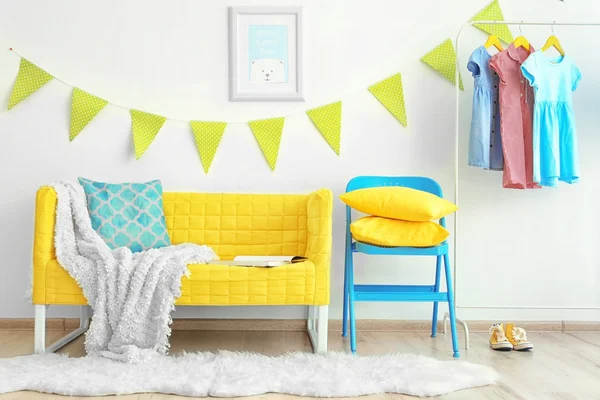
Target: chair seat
x,y
360,247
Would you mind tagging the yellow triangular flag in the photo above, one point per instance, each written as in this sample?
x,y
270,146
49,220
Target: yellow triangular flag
x,y
268,135
443,60
145,127
328,120
208,136
29,79
389,93
84,107
492,12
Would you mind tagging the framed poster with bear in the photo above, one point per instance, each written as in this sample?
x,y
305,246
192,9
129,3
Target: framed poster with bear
x,y
265,54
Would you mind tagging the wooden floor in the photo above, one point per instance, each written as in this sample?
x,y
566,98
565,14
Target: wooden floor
x,y
563,365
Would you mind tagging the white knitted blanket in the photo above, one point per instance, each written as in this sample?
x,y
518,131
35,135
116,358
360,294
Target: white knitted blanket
x,y
131,294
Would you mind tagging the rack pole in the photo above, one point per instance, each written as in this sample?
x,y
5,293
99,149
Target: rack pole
x,y
456,173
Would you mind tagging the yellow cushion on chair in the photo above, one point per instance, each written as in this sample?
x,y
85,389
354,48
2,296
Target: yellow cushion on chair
x,y
399,203
396,233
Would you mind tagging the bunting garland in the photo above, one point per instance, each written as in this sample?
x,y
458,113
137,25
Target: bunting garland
x,y
268,135
389,93
207,136
84,107
29,79
443,60
145,127
328,120
493,12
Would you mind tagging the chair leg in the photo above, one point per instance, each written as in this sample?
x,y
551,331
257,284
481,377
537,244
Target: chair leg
x,y
345,312
39,341
438,266
351,304
450,291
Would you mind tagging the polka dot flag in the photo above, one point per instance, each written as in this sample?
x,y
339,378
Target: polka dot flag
x,y
84,107
443,60
29,79
208,136
328,120
145,127
268,135
493,12
389,93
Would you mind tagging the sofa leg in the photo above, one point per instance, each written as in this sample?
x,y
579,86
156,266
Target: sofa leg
x,y
318,333
39,341
322,329
310,321
40,330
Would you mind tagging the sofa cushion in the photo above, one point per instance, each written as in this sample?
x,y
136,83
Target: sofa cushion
x,y
127,214
218,285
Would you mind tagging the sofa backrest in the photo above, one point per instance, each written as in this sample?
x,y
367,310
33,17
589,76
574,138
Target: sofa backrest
x,y
238,224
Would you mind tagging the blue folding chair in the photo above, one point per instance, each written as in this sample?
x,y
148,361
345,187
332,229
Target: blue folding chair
x,y
414,293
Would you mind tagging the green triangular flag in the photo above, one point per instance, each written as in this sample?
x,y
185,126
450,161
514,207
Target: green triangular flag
x,y
443,60
29,79
389,93
492,12
145,127
328,120
268,135
208,136
84,107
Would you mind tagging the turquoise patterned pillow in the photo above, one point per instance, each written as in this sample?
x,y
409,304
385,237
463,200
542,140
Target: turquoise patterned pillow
x,y
127,214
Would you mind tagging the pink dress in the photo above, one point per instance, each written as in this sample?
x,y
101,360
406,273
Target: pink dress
x,y
516,104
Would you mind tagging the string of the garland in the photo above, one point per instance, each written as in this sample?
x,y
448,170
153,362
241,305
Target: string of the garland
x,y
347,95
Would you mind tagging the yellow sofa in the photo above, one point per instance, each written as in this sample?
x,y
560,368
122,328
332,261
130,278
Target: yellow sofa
x,y
232,224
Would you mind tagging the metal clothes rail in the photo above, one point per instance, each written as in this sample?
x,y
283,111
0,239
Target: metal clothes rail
x,y
456,173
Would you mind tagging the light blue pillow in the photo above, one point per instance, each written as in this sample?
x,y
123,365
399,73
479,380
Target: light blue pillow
x,y
127,214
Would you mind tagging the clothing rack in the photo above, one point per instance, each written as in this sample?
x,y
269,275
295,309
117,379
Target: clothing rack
x,y
456,169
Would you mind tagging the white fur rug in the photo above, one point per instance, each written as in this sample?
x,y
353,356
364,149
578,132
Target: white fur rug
x,y
229,374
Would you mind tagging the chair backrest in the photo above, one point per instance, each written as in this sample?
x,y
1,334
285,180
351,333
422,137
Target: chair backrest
x,y
414,182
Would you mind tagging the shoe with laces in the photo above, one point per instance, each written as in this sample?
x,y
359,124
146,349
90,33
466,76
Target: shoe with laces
x,y
498,340
518,338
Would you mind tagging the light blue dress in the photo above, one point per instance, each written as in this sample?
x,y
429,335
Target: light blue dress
x,y
485,144
555,156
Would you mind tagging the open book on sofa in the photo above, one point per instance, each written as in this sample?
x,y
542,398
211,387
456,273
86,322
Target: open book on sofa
x,y
261,261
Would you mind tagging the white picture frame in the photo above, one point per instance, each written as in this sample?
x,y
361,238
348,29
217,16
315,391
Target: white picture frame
x,y
265,53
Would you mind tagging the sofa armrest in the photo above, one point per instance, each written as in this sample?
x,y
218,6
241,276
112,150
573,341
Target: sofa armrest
x,y
43,240
318,243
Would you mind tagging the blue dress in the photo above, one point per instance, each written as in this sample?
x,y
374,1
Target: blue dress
x,y
555,156
485,144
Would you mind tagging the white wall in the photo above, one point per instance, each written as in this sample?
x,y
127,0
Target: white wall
x,y
533,248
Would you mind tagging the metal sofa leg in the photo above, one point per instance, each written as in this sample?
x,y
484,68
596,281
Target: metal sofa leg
x,y
40,330
39,341
318,333
311,321
322,329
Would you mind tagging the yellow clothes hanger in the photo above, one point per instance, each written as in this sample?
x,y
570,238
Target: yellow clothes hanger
x,y
521,41
493,41
553,42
